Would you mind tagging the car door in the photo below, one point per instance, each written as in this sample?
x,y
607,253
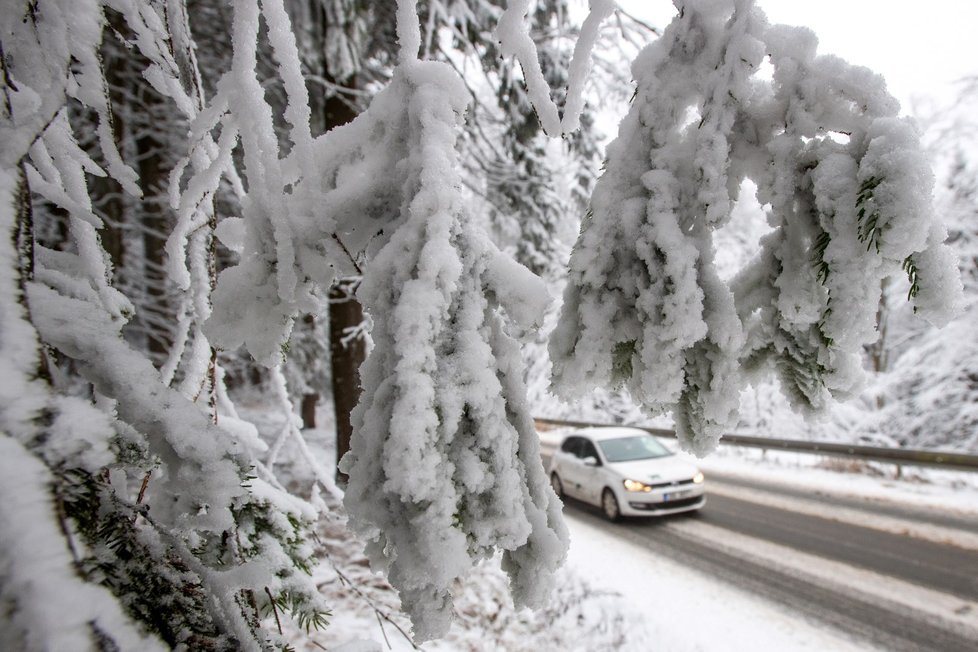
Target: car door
x,y
568,465
590,480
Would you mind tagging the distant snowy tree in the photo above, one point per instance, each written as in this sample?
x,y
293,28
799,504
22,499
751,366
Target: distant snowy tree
x,y
961,210
930,395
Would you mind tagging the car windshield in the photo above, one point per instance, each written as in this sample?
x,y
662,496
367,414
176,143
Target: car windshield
x,y
627,449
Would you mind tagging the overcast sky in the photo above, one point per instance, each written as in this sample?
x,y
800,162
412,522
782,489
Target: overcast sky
x,y
920,47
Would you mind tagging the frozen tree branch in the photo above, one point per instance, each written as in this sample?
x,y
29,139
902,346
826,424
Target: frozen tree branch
x,y
515,40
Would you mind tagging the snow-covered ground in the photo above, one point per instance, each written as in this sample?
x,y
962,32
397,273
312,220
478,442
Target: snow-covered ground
x,y
613,594
685,610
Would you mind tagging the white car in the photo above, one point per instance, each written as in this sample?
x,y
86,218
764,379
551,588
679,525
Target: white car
x,y
626,472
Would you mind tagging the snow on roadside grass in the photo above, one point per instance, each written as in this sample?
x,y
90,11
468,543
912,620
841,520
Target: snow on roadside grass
x,y
366,614
948,491
580,617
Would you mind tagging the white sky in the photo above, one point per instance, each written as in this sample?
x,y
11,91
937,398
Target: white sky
x,y
920,47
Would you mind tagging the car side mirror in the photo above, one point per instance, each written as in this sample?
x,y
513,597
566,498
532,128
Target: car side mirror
x,y
591,461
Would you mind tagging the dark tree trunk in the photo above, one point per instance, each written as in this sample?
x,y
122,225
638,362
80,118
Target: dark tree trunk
x,y
344,310
311,399
24,233
346,353
153,177
24,242
309,403
878,349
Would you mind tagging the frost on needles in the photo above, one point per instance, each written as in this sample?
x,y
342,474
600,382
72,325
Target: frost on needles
x,y
848,192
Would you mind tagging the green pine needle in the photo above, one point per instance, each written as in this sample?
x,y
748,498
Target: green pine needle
x,y
910,268
818,257
868,229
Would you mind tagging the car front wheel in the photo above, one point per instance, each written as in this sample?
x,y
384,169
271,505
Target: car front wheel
x,y
609,505
557,486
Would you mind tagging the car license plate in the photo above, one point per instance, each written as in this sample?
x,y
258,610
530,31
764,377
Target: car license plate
x,y
676,494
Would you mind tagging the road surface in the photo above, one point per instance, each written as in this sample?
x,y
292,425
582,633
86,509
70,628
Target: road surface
x,y
894,577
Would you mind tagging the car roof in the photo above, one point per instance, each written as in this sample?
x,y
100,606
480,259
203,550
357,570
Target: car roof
x,y
599,434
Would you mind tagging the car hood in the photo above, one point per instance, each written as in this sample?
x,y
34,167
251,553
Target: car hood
x,y
659,469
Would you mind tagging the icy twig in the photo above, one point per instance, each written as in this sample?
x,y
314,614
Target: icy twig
x,y
514,37
291,428
271,600
408,30
353,333
380,613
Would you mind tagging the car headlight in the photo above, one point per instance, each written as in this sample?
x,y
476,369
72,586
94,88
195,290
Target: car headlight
x,y
635,485
698,478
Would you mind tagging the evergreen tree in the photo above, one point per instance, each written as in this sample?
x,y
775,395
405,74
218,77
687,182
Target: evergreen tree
x,y
929,395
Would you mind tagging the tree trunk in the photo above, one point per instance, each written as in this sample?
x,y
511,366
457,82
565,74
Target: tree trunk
x,y
878,350
346,352
344,310
309,402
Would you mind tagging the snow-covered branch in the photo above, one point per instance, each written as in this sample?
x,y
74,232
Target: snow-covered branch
x,y
514,37
849,192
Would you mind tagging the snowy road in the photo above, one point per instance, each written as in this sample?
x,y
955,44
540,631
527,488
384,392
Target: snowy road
x,y
885,575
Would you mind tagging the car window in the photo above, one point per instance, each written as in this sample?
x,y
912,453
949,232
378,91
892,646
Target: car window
x,y
588,450
627,449
571,445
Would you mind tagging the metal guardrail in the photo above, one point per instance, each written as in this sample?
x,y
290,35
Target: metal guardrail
x,y
899,456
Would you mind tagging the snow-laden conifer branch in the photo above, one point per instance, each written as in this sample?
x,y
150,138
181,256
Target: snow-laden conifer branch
x,y
47,605
211,538
56,172
444,466
848,188
286,241
199,495
161,34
